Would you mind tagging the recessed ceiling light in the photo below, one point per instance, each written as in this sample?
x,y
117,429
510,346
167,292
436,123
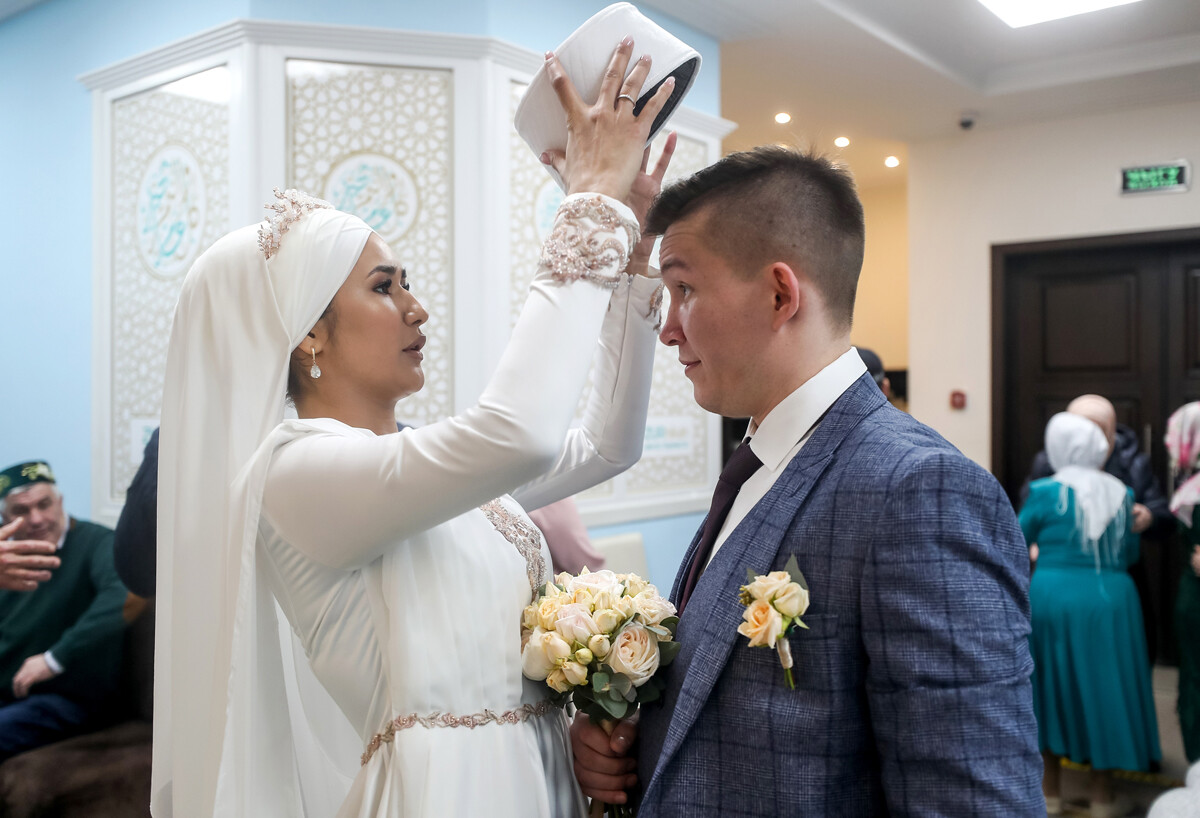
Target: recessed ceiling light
x,y
1018,13
783,117
842,142
891,161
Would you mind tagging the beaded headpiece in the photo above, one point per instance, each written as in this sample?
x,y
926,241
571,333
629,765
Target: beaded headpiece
x,y
290,207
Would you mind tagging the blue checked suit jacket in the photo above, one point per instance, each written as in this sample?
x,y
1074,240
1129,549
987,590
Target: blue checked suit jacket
x,y
912,683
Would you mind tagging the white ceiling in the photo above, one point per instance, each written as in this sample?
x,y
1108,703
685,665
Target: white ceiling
x,y
888,72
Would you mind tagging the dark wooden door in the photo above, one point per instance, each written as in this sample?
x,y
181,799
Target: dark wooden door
x,y
1114,316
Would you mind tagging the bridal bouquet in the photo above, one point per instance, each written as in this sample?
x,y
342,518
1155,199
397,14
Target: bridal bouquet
x,y
598,640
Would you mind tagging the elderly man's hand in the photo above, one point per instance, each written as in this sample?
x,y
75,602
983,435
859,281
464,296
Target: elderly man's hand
x,y
24,563
1141,518
33,671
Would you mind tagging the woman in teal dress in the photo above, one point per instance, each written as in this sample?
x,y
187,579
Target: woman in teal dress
x,y
1183,445
1091,680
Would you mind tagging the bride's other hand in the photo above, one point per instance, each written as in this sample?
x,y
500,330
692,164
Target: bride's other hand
x,y
605,140
641,195
603,766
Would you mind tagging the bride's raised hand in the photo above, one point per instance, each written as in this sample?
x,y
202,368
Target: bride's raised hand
x,y
605,141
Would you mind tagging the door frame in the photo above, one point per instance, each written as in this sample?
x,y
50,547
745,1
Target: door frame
x,y
1002,254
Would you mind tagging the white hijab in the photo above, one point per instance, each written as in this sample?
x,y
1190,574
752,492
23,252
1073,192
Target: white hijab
x,y
1078,449
222,725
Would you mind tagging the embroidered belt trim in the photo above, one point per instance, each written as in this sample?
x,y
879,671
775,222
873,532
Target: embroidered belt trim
x,y
523,713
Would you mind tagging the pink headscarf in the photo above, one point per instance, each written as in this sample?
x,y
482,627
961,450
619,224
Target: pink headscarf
x,y
1183,444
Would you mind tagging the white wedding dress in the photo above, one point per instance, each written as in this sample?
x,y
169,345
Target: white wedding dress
x,y
402,576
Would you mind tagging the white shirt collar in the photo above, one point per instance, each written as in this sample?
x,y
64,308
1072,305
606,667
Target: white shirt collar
x,y
794,416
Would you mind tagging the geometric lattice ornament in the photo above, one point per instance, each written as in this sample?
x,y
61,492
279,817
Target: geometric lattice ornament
x,y
170,201
676,453
377,141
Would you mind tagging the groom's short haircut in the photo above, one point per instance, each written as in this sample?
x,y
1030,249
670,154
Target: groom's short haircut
x,y
776,204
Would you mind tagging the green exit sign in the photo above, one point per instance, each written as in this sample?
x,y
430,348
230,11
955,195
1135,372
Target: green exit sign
x,y
1169,177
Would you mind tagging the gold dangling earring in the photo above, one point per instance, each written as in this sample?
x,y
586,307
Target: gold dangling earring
x,y
315,371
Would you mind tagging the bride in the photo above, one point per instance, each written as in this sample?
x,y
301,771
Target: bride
x,y
398,559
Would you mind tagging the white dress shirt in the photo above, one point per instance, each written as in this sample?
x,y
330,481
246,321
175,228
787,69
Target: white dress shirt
x,y
785,430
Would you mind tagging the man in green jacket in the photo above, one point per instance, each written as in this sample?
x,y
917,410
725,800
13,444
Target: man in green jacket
x,y
60,644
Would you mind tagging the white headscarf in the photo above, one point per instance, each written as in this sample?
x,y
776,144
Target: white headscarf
x,y
1078,449
222,734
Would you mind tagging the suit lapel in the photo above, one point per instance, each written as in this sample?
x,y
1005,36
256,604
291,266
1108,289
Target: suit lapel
x,y
708,627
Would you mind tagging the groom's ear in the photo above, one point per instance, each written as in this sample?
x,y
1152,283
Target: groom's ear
x,y
787,292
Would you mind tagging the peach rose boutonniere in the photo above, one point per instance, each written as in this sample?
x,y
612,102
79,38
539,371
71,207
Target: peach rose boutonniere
x,y
774,603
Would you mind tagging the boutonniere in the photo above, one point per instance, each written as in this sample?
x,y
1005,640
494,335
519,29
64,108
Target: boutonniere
x,y
774,603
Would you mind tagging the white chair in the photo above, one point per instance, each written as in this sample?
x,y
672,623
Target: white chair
x,y
623,554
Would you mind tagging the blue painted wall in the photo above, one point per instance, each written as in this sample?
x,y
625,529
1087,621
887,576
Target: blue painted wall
x,y
46,190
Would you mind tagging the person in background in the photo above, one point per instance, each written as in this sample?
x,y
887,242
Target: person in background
x,y
566,536
1129,464
60,644
1183,446
1091,679
1126,462
875,367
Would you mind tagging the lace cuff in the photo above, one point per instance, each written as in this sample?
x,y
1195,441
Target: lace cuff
x,y
591,240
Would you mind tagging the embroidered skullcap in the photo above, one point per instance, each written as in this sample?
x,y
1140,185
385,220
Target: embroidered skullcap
x,y
22,474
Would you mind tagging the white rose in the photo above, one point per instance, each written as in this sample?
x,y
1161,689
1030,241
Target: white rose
x,y
544,651
594,583
634,653
599,646
769,586
575,624
653,608
792,601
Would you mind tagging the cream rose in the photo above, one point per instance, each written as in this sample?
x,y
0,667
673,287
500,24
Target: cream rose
x,y
575,624
762,624
607,620
557,680
634,584
574,673
599,646
547,610
625,607
544,651
634,653
769,586
792,601
652,608
594,583
606,599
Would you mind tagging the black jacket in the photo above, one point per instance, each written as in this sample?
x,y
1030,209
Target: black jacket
x,y
1129,465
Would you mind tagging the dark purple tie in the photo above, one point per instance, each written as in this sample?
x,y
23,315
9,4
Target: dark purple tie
x,y
742,463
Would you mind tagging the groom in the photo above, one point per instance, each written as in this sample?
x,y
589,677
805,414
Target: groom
x,y
912,681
